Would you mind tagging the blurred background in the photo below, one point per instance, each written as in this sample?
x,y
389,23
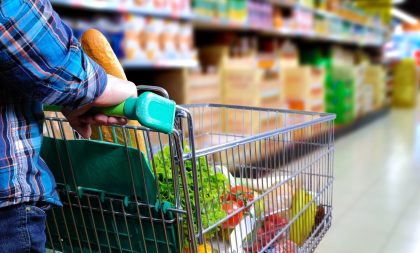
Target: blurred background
x,y
357,59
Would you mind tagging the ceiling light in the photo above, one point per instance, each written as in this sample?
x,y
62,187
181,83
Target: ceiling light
x,y
398,1
404,16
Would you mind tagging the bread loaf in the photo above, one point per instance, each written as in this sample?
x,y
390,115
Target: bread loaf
x,y
98,48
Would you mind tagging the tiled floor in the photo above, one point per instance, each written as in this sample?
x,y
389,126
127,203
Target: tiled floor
x,y
377,188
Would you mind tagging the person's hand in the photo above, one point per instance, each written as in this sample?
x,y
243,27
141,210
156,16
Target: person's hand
x,y
81,120
116,91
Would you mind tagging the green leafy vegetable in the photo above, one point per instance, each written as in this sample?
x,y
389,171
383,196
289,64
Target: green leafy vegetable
x,y
211,186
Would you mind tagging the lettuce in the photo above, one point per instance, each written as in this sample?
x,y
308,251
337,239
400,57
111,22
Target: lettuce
x,y
211,186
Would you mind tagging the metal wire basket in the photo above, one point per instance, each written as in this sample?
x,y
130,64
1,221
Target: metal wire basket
x,y
229,179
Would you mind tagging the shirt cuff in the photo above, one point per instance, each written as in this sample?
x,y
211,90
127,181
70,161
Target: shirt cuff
x,y
95,82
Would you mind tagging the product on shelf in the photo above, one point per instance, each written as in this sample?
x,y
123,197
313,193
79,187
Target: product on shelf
x,y
237,11
303,20
302,85
260,14
373,88
200,85
168,40
277,18
405,83
303,88
148,40
152,35
340,94
308,3
321,25
185,42
135,38
288,55
170,7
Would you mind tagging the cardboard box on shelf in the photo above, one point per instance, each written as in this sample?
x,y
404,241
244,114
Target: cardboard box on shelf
x,y
167,40
303,88
203,87
134,38
197,86
375,76
288,55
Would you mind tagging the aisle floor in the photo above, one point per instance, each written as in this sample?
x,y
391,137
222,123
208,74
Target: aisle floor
x,y
377,188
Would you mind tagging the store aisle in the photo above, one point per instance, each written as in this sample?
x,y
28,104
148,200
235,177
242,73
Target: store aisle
x,y
377,188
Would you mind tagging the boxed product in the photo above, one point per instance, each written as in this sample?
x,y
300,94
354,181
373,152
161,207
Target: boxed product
x,y
237,11
277,19
303,88
202,86
168,40
304,20
204,8
135,38
153,29
185,43
288,55
153,39
260,14
375,76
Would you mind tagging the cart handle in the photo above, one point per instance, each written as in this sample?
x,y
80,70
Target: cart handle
x,y
151,110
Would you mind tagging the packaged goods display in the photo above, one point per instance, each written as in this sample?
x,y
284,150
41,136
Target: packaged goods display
x,y
405,83
143,40
303,19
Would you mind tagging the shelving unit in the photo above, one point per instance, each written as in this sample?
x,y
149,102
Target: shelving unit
x,y
202,23
325,14
366,36
118,7
161,64
207,23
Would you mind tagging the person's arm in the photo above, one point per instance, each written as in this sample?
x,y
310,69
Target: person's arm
x,y
42,59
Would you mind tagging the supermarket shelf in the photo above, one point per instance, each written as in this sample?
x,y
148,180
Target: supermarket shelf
x,y
118,7
208,23
203,23
211,23
361,122
282,3
325,14
164,64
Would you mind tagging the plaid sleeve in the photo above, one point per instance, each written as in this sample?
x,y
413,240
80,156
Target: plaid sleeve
x,y
41,57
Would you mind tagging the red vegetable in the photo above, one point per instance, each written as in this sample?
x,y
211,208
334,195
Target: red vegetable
x,y
241,194
278,220
232,207
286,247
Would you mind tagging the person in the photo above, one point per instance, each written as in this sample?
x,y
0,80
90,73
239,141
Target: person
x,y
41,62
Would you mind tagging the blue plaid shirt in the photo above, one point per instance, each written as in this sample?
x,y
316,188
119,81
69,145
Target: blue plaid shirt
x,y
41,62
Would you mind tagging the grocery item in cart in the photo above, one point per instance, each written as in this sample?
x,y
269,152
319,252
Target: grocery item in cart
x,y
302,227
97,47
209,181
192,180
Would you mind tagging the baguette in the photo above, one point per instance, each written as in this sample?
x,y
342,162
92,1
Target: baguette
x,y
98,48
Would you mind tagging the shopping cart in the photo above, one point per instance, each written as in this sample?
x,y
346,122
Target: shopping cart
x,y
227,179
